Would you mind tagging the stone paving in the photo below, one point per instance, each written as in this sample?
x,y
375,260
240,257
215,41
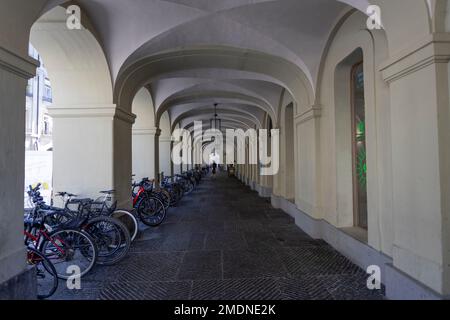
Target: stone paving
x,y
225,242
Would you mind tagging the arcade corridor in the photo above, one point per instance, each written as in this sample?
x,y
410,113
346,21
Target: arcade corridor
x,y
225,242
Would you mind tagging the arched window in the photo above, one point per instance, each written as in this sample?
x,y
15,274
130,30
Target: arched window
x,y
359,145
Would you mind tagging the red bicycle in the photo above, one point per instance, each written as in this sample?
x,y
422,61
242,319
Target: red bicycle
x,y
63,246
151,209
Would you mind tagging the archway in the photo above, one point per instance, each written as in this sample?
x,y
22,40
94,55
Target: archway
x,y
38,132
84,116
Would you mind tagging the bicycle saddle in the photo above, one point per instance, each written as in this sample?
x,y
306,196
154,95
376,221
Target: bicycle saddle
x,y
80,201
63,193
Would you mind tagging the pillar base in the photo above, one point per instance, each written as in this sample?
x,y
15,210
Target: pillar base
x,y
400,286
264,192
20,287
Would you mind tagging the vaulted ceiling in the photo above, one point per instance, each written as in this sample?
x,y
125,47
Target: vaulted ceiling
x,y
241,54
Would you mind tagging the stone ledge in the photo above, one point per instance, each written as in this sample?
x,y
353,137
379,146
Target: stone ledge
x,y
24,67
312,113
434,48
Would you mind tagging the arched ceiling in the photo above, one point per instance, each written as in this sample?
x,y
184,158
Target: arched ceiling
x,y
190,54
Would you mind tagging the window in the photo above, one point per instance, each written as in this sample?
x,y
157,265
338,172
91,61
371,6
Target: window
x,y
47,96
359,146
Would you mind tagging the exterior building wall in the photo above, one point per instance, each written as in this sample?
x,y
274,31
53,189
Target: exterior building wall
x,y
38,124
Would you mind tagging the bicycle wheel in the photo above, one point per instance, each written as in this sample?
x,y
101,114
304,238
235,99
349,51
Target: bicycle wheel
x,y
111,237
46,276
129,220
189,186
70,247
151,211
164,196
175,196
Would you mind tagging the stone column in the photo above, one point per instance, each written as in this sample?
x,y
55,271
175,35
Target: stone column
x,y
266,181
172,165
420,116
92,150
164,155
156,155
15,70
306,136
246,165
122,163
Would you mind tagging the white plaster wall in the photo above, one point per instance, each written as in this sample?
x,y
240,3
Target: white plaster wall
x,y
143,141
143,155
83,154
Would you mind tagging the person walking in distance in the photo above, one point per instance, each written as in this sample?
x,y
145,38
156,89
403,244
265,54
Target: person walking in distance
x,y
214,168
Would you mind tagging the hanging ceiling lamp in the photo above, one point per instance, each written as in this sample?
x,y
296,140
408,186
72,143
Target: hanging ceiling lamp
x,y
216,123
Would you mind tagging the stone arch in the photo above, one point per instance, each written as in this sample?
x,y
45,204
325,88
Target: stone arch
x,y
74,59
233,112
223,96
405,22
83,111
441,16
148,68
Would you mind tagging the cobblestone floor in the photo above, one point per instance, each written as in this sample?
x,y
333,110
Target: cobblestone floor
x,y
224,242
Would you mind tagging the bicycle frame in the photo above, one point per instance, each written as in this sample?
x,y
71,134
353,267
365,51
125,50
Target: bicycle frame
x,y
138,195
37,239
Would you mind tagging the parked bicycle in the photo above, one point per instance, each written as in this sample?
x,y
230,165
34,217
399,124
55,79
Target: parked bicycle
x,y
110,236
64,244
149,207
